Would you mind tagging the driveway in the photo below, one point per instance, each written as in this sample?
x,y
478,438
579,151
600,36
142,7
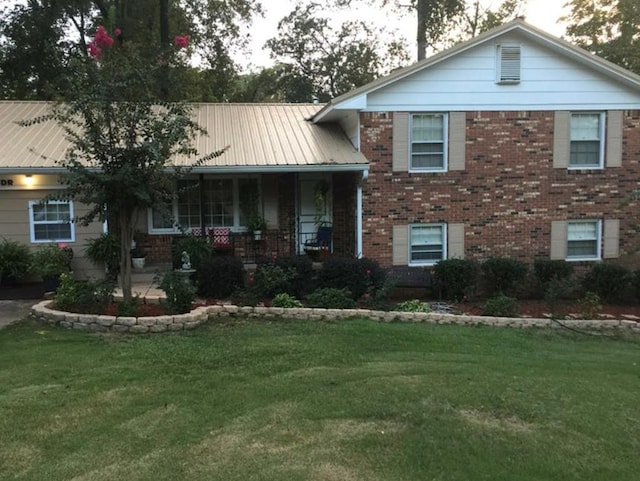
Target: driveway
x,y
11,311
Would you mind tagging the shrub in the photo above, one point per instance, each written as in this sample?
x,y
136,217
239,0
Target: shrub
x,y
15,260
457,278
501,306
635,281
82,296
285,300
546,270
609,281
179,291
198,248
219,277
414,305
302,280
270,279
331,298
558,289
589,305
503,273
52,260
105,249
358,276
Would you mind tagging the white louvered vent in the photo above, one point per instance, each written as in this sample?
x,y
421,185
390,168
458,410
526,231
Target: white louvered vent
x,y
509,63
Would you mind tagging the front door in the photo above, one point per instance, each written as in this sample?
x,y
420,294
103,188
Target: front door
x,y
314,203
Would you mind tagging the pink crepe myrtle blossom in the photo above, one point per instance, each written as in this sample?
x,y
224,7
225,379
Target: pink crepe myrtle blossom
x,y
94,50
102,38
181,41
117,32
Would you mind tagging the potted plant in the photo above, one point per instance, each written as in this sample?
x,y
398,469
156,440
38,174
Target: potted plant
x,y
50,261
105,250
138,257
255,226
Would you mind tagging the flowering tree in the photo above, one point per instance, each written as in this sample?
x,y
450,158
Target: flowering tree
x,y
122,140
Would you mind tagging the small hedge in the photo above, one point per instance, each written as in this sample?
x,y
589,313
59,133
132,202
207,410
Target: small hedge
x,y
219,277
358,276
546,270
503,274
331,298
608,281
456,277
501,306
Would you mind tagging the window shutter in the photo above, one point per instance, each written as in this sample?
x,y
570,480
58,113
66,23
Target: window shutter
x,y
400,142
509,63
558,240
614,138
561,139
455,241
400,245
457,140
611,243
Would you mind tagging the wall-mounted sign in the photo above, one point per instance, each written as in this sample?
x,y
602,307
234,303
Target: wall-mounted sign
x,y
6,182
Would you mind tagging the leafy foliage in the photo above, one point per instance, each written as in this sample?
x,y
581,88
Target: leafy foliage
x,y
285,300
198,247
179,290
105,249
15,260
331,298
503,274
501,306
358,276
219,277
547,270
457,277
414,305
82,296
609,281
50,260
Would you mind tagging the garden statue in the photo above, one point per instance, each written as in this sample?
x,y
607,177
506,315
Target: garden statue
x,y
186,261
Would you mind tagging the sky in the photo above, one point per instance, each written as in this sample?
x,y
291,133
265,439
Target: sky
x,y
540,13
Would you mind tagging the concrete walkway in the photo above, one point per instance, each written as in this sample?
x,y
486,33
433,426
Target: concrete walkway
x,y
12,311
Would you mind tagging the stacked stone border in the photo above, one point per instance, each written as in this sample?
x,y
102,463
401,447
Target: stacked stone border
x,y
200,315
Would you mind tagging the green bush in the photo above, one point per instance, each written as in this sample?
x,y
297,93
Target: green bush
x,y
219,277
501,306
302,280
456,277
105,249
52,260
546,270
331,298
414,305
608,281
285,300
503,274
359,276
198,248
635,282
15,260
83,296
270,279
179,290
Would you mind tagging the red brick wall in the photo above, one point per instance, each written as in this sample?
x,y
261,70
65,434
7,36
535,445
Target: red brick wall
x,y
508,193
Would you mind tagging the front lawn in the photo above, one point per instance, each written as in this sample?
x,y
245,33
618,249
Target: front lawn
x,y
299,400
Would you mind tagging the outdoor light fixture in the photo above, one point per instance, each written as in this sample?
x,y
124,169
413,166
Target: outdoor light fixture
x,y
28,180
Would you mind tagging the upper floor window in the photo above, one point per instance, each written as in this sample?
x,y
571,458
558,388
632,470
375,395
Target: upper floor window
x,y
428,143
427,243
51,221
587,140
509,57
583,240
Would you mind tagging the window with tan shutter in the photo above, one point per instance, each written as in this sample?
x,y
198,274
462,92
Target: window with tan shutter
x,y
584,240
427,243
587,140
428,143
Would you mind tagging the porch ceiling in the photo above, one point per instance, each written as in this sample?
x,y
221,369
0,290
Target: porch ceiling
x,y
261,136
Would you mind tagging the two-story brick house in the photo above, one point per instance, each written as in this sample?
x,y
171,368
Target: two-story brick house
x,y
515,144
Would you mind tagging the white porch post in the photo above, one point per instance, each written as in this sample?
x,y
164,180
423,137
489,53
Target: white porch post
x,y
359,248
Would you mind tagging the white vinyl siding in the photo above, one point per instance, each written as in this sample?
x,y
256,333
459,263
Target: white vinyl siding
x,y
508,60
427,243
428,143
587,140
51,221
584,240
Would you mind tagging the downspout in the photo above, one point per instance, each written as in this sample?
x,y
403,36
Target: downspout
x,y
359,247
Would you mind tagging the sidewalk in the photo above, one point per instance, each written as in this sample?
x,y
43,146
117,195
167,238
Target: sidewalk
x,y
14,310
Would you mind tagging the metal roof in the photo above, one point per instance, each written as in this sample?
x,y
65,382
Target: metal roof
x,y
261,137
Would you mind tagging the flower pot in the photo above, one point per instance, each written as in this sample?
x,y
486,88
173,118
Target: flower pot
x,y
137,262
257,235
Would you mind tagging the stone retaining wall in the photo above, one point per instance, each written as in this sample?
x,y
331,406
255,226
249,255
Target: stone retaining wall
x,y
180,322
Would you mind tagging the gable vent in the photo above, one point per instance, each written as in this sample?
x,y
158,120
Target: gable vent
x,y
509,63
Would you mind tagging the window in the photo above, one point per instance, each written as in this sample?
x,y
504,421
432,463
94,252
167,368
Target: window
x,y
583,240
215,199
51,221
587,146
508,71
428,143
427,244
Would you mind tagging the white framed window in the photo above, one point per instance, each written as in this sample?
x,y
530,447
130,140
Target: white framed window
x,y
587,140
508,60
427,243
428,143
51,221
584,240
217,199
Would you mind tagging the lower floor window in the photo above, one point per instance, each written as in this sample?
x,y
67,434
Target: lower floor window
x,y
51,221
583,240
427,243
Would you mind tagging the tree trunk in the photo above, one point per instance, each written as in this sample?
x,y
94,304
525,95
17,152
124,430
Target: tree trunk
x,y
126,224
421,38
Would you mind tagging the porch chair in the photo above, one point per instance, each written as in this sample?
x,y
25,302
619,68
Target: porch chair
x,y
221,240
320,245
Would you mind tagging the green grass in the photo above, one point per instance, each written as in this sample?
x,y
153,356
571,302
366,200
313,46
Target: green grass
x,y
292,400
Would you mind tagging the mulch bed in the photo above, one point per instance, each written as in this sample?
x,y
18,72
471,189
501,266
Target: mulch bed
x,y
22,291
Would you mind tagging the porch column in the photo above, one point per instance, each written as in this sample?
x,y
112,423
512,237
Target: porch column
x,y
359,248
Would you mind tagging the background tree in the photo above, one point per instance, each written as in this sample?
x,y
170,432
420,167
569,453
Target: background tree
x,y
608,28
122,141
320,61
